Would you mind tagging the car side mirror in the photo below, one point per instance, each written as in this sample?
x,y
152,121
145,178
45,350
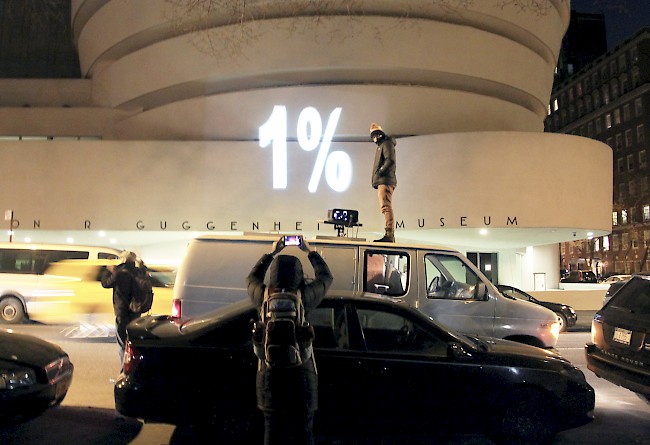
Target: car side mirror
x,y
456,350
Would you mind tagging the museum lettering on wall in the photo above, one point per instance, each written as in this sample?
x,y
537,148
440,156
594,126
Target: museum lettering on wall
x,y
280,225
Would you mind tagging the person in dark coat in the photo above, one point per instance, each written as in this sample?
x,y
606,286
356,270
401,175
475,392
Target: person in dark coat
x,y
121,279
384,178
288,397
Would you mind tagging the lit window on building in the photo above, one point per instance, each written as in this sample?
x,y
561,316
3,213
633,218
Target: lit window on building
x,y
597,244
555,105
640,134
615,218
646,212
636,77
605,243
625,84
608,120
624,216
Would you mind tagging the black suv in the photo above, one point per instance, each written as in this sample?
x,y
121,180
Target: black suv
x,y
620,332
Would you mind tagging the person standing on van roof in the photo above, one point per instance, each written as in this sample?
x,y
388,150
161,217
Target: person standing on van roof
x,y
288,397
121,279
384,178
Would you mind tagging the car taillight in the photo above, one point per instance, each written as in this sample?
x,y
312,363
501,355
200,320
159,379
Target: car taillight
x,y
176,308
131,358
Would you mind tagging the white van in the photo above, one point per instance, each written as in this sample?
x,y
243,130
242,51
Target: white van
x,y
438,281
22,267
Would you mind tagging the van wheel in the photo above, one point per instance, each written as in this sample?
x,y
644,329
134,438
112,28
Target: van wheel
x,y
562,320
11,310
527,419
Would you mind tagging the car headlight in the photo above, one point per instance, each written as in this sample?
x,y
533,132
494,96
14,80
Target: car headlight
x,y
555,329
15,378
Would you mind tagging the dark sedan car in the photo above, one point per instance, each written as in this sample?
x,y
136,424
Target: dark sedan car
x,y
34,375
620,351
382,367
565,313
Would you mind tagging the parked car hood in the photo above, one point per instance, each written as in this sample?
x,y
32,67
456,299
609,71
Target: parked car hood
x,y
500,347
27,349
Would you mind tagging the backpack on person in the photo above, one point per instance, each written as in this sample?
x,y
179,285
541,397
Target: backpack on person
x,y
283,337
142,292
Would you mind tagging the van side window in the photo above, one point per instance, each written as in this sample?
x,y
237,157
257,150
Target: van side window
x,y
386,273
448,277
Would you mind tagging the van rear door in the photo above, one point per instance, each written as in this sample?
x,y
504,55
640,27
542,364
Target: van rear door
x,y
343,263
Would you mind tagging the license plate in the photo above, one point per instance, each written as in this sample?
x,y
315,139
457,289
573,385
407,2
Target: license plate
x,y
622,336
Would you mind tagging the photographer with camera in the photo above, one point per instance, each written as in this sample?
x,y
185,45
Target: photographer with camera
x,y
288,395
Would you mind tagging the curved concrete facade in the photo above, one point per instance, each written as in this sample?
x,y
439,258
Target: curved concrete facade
x,y
464,86
417,62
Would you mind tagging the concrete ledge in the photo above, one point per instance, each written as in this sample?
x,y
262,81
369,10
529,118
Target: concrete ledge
x,y
589,299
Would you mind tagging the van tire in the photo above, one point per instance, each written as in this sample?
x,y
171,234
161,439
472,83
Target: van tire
x,y
562,320
11,310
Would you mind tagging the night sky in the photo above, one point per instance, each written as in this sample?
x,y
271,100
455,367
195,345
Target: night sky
x,y
622,17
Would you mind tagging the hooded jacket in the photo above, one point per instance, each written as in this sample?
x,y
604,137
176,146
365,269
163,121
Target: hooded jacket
x,y
288,390
383,169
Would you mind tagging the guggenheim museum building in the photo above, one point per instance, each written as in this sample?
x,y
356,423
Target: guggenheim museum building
x,y
237,117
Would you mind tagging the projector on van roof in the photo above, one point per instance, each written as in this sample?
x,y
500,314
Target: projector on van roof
x,y
343,217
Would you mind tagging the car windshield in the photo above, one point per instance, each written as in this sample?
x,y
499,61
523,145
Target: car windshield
x,y
635,297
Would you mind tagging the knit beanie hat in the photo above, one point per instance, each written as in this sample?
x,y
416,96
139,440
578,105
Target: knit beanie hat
x,y
375,128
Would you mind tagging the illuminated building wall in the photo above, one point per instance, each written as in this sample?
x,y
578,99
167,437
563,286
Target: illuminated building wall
x,y
246,133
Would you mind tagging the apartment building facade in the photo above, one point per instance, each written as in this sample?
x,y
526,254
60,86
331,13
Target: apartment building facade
x,y
609,100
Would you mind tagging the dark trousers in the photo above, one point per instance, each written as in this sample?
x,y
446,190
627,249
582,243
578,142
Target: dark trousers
x,y
287,428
